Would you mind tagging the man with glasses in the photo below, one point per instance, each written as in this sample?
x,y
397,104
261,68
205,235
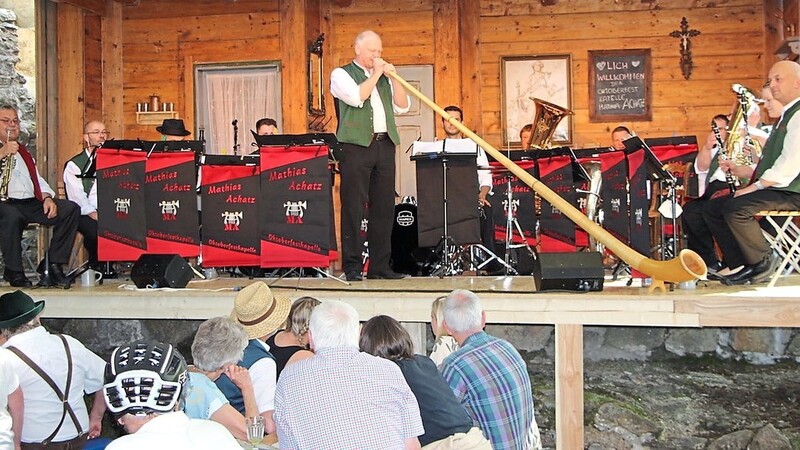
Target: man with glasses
x,y
29,199
83,190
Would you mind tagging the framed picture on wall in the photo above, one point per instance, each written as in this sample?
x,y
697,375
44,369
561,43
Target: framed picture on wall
x,y
523,78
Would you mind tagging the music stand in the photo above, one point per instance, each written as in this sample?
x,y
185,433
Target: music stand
x,y
457,158
656,172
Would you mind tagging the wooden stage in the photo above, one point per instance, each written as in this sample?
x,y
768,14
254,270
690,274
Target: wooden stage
x,y
507,300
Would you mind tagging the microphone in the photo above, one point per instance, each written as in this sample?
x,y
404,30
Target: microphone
x,y
235,122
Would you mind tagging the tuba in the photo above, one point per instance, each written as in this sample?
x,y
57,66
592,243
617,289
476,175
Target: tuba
x,y
736,143
545,121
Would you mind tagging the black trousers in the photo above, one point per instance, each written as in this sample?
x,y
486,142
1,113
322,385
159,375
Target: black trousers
x,y
698,235
733,223
15,215
88,228
367,175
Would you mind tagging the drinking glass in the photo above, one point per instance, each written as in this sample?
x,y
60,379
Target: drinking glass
x,y
255,430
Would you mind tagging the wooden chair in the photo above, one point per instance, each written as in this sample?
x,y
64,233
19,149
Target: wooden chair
x,y
786,241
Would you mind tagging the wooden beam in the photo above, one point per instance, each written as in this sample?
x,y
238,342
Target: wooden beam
x,y
569,386
111,26
71,81
469,44
293,63
93,6
447,56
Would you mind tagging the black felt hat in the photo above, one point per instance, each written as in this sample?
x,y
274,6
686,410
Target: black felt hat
x,y
173,127
17,308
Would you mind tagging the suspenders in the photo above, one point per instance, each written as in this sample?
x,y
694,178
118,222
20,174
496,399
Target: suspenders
x,y
63,396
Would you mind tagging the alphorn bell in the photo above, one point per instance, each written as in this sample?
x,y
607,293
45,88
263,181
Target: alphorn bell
x,y
687,266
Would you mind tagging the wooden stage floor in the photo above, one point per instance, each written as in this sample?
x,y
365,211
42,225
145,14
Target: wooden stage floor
x,y
506,300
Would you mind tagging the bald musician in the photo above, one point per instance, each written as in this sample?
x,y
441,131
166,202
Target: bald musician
x,y
366,101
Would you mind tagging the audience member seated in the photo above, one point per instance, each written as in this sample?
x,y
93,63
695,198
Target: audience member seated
x,y
489,376
444,344
59,419
218,345
343,398
446,422
30,200
10,403
260,313
291,344
155,421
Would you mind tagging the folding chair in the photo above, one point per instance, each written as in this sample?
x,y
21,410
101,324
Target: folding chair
x,y
786,241
31,236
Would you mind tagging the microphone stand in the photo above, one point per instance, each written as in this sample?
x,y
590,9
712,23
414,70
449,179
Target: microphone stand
x,y
235,124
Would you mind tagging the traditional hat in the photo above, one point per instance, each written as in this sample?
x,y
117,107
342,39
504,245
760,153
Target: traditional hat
x,y
173,127
17,308
260,311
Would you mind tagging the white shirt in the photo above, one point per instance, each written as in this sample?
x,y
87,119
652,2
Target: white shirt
x,y
345,88
787,166
264,374
42,407
484,175
21,186
177,431
73,185
8,384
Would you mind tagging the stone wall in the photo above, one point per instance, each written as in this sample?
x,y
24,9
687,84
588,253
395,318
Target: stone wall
x,y
14,86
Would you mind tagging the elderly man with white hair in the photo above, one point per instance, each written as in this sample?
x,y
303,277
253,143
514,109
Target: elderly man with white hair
x,y
341,397
489,376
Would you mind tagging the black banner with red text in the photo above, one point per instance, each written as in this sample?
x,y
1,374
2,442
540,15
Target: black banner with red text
x,y
171,204
521,204
231,221
557,231
295,207
121,226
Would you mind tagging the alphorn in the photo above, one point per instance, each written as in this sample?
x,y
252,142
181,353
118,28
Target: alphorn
x,y
687,266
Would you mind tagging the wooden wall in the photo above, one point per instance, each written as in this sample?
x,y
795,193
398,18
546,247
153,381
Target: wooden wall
x,y
150,48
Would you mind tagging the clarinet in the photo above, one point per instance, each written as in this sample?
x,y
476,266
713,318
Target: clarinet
x,y
728,176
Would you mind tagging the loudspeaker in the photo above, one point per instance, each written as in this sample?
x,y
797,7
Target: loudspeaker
x,y
576,271
158,271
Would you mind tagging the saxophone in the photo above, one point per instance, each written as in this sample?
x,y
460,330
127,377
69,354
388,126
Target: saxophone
x,y
736,144
6,165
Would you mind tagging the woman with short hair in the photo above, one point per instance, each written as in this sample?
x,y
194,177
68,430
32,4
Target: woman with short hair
x,y
447,424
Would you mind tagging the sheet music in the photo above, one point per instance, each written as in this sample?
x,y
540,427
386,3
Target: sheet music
x,y
455,146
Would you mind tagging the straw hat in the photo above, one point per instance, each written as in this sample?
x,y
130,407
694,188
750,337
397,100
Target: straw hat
x,y
17,308
260,311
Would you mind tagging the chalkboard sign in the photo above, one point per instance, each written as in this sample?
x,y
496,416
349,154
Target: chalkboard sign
x,y
619,85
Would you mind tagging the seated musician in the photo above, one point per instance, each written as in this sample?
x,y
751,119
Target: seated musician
x,y
83,191
525,136
618,136
732,218
173,130
266,127
484,178
27,198
711,179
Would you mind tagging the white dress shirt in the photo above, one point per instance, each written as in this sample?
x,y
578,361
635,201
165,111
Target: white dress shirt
x,y
73,185
787,166
175,430
21,185
42,407
264,374
8,384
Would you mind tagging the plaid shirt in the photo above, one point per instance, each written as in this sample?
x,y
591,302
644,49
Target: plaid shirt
x,y
491,380
345,399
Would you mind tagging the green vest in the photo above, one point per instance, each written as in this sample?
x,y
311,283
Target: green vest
x,y
80,160
355,124
773,148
